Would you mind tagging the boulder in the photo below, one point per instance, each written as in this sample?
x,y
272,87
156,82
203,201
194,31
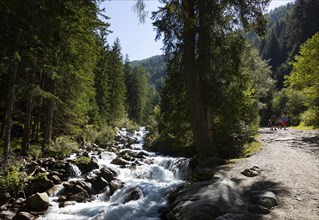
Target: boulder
x,y
206,200
79,197
66,203
120,161
251,172
264,198
86,168
23,216
38,202
6,214
85,185
107,173
133,194
42,184
55,179
98,184
114,185
258,209
4,197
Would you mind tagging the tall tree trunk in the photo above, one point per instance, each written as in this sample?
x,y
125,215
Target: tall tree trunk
x,y
49,116
28,116
4,118
13,69
195,104
9,109
207,77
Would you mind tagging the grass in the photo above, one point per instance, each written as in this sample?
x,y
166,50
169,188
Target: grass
x,y
302,126
249,150
252,148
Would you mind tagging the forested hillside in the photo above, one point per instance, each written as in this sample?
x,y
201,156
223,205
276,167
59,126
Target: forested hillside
x,y
289,27
156,69
60,77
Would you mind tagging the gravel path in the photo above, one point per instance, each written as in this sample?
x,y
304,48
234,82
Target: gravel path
x,y
289,164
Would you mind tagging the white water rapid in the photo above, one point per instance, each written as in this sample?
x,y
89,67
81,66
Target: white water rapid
x,y
155,176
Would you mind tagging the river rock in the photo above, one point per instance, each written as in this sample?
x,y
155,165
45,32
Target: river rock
x,y
206,200
23,216
114,185
4,197
55,179
86,168
6,214
38,202
264,198
79,197
66,203
258,209
98,184
85,185
107,173
120,161
251,172
42,184
133,194
231,216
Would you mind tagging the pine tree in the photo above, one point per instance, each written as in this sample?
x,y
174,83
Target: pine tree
x,y
116,79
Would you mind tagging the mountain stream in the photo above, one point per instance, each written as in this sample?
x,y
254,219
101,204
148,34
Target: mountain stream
x,y
155,176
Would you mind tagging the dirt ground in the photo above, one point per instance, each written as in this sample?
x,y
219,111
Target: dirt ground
x,y
289,163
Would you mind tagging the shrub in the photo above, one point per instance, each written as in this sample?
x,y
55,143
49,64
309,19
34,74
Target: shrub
x,y
63,146
310,118
82,160
10,180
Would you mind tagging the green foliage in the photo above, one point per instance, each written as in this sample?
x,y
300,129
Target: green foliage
x,y
155,68
93,135
251,148
310,118
105,135
289,26
10,180
82,160
304,79
62,147
35,150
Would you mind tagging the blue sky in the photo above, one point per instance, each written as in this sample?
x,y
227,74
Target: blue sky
x,y
138,40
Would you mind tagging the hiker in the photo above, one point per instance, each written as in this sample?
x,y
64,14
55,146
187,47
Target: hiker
x,y
279,123
273,120
284,120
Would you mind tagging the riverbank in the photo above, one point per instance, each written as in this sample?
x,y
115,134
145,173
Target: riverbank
x,y
286,170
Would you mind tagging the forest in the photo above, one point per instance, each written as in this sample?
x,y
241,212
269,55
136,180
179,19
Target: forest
x,y
226,69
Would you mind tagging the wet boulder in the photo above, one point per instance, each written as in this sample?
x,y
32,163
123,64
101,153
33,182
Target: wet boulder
x,y
114,185
41,184
23,216
98,184
38,202
120,161
107,173
79,197
6,214
133,194
73,187
66,203
85,185
55,179
86,164
4,197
